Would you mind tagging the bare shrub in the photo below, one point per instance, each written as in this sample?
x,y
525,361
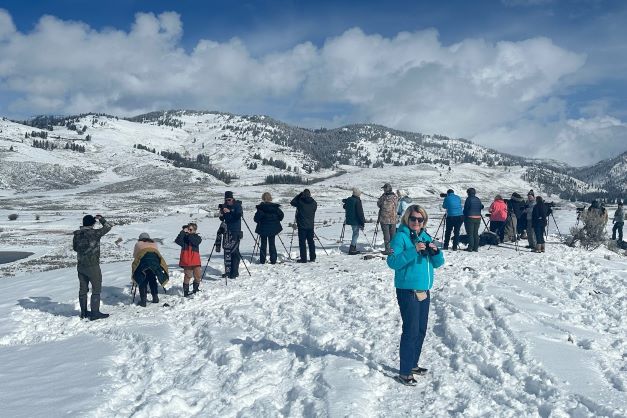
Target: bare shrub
x,y
592,232
13,216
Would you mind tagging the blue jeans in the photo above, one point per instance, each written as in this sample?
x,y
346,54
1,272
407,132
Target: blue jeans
x,y
355,235
415,316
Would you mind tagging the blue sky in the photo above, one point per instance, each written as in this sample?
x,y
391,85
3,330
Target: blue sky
x,y
532,77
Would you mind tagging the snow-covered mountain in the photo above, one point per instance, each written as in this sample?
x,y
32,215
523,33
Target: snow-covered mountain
x,y
246,150
610,174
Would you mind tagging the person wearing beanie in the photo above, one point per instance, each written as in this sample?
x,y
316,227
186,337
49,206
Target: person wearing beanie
x,y
619,221
230,233
454,218
306,208
472,218
148,267
268,218
388,206
189,260
354,212
86,243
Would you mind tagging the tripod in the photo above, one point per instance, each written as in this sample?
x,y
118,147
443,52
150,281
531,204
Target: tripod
x,y
442,223
556,227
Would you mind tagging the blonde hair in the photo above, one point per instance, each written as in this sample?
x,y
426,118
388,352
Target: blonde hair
x,y
266,197
412,209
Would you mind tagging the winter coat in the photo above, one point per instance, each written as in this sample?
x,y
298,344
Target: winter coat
x,y
412,270
190,253
529,210
403,204
515,206
306,208
149,258
233,219
387,204
354,211
86,243
498,211
472,207
619,216
538,215
142,245
268,218
453,205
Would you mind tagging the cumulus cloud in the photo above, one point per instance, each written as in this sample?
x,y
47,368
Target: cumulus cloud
x,y
496,93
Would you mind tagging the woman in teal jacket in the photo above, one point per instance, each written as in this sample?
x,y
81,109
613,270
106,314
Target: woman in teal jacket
x,y
413,257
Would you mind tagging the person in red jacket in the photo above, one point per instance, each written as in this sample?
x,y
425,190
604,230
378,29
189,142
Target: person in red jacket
x,y
498,216
189,241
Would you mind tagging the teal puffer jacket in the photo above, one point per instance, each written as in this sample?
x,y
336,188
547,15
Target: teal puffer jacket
x,y
412,270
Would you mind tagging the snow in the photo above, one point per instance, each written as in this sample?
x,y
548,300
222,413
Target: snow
x,y
511,333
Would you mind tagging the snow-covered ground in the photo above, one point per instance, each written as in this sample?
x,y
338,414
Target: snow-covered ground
x,y
510,333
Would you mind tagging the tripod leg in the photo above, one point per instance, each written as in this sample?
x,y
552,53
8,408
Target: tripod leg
x,y
255,248
320,242
289,256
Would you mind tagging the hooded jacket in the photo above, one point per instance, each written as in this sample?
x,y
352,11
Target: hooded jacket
x,y
233,219
403,204
306,208
190,252
472,207
498,211
388,203
86,243
354,211
149,258
268,218
515,205
412,270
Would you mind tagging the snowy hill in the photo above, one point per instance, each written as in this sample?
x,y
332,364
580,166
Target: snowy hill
x,y
610,174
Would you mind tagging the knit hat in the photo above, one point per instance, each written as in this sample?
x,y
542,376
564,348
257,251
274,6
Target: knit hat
x,y
356,192
498,197
531,193
88,220
471,191
228,195
144,235
387,187
449,191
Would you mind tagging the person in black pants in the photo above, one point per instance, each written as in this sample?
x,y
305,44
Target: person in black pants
x,y
231,216
268,218
472,219
306,208
454,218
538,221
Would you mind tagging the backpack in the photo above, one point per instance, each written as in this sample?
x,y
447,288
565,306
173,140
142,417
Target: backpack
x,y
488,238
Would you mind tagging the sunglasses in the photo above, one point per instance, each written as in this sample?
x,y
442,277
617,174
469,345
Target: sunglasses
x,y
415,219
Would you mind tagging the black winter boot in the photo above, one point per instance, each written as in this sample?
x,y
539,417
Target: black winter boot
x,y
195,287
142,295
82,301
95,309
186,289
352,250
154,291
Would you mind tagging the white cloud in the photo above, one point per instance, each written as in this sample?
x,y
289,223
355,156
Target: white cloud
x,y
475,89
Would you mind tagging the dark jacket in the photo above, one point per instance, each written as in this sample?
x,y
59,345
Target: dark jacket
x,y
149,259
515,206
86,243
233,219
305,211
538,216
190,252
268,218
472,206
354,211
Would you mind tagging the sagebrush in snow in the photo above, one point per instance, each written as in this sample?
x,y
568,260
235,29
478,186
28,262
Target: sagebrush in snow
x,y
592,232
13,216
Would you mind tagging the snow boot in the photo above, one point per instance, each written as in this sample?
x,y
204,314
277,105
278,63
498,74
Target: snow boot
x,y
154,291
95,309
195,287
352,250
542,247
142,295
186,289
407,380
82,301
419,371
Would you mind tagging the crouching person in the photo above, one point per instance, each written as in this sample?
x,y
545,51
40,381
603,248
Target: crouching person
x,y
189,261
86,243
148,267
413,258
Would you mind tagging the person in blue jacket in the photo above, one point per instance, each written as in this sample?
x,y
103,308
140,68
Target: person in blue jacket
x,y
454,218
414,257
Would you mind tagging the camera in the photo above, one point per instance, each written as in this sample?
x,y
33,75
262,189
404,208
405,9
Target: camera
x,y
443,195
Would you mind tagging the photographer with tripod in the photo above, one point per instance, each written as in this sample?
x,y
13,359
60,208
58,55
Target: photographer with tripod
x,y
230,232
306,208
413,257
454,218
